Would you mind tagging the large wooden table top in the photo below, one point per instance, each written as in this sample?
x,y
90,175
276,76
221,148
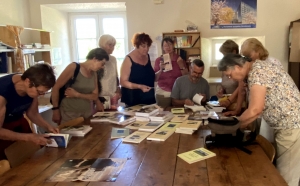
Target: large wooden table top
x,y
150,162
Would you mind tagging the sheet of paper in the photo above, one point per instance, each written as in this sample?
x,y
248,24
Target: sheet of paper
x,y
197,98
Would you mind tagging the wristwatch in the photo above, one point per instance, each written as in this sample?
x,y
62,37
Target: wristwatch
x,y
55,108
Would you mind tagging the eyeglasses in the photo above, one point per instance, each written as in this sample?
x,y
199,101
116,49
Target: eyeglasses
x,y
37,90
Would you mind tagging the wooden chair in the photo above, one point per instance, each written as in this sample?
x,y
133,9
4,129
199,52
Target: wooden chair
x,y
4,166
266,146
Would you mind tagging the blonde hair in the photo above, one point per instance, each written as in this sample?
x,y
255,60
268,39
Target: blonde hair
x,y
106,38
228,47
253,44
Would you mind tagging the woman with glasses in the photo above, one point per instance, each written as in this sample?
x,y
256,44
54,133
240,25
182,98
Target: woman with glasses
x,y
18,95
166,79
274,95
78,97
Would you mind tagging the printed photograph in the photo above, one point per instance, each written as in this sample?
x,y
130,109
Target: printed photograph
x,y
200,152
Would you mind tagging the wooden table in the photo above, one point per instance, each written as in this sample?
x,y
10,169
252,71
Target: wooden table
x,y
151,163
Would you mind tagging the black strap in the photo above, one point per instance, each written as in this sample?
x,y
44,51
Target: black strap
x,y
75,73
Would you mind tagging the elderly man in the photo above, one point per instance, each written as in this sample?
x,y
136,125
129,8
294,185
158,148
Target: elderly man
x,y
185,87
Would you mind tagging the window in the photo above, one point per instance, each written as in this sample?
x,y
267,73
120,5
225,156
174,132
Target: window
x,y
87,28
216,54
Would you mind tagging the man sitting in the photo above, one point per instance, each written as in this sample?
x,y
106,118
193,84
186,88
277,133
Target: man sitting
x,y
185,87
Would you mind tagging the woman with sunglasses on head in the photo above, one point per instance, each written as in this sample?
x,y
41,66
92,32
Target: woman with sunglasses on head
x,y
79,95
167,79
18,95
274,95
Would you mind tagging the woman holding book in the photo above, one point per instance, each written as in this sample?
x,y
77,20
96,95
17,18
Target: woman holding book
x,y
137,75
108,76
168,76
274,95
79,95
18,94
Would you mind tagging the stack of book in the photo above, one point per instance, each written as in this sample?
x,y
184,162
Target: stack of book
x,y
151,126
113,117
164,132
130,110
180,118
215,108
196,155
147,111
136,137
188,127
80,130
164,116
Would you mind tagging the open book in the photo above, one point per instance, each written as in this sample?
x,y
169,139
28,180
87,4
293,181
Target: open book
x,y
58,140
101,169
196,155
79,130
167,62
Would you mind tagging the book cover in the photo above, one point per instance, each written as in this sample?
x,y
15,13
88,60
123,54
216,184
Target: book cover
x,y
137,124
147,111
113,117
160,135
178,110
161,116
180,118
167,62
136,137
130,110
102,116
58,140
79,130
170,126
151,126
196,155
119,132
101,169
192,125
197,99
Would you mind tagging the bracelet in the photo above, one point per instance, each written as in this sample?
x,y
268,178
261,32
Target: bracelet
x,y
55,108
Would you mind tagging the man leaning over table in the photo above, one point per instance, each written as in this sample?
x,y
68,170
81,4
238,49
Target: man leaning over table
x,y
18,95
185,87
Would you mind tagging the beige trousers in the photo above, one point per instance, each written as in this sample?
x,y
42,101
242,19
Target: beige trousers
x,y
288,154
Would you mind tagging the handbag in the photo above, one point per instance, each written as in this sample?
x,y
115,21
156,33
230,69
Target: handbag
x,y
68,84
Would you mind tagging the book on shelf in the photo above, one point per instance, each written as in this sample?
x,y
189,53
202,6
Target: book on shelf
x,y
137,124
196,155
119,133
101,169
184,41
136,137
178,110
167,62
180,118
160,135
195,108
162,116
58,140
113,117
147,110
151,126
79,130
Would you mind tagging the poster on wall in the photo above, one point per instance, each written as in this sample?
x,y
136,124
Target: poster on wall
x,y
231,14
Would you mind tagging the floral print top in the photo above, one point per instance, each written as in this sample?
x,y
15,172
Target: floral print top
x,y
282,100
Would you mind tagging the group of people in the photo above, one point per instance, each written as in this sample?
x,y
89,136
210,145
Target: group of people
x,y
252,78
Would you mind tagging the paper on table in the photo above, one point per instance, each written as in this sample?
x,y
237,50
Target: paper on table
x,y
197,98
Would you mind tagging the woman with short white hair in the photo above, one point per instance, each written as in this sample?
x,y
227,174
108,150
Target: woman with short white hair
x,y
108,77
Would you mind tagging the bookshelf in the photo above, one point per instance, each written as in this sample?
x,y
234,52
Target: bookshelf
x,y
40,54
192,47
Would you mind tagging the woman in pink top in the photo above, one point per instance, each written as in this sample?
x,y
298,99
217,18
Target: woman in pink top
x,y
167,78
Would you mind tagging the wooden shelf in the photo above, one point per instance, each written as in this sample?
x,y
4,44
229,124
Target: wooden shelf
x,y
7,50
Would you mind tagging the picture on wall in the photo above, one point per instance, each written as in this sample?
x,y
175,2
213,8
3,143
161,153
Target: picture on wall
x,y
231,14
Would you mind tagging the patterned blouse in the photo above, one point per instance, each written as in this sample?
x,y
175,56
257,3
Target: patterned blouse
x,y
282,100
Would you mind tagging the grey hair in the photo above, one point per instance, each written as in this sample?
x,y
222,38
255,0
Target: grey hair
x,y
198,63
230,60
106,38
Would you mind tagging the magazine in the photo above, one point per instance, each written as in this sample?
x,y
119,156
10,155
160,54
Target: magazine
x,y
196,155
58,140
101,169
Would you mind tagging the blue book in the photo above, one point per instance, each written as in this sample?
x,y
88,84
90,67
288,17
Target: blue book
x,y
58,140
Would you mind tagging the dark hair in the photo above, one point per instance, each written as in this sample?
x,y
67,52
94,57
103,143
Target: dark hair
x,y
40,75
228,47
141,38
230,60
98,53
167,40
198,63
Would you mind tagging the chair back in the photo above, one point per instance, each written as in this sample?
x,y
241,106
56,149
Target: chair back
x,y
266,146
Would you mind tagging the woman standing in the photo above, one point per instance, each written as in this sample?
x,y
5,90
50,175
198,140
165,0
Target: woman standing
x,y
137,74
79,95
274,95
166,80
108,76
